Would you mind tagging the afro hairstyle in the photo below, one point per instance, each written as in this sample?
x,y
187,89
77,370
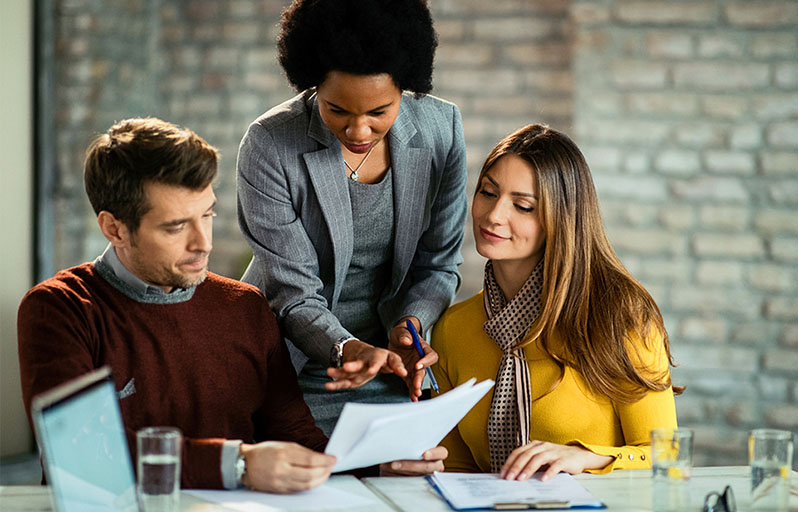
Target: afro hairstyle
x,y
360,37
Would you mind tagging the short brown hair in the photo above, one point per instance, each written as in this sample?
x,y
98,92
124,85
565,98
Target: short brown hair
x,y
134,151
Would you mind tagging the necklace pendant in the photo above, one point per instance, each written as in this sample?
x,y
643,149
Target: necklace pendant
x,y
354,176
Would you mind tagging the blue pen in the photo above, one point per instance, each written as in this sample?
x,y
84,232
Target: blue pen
x,y
417,343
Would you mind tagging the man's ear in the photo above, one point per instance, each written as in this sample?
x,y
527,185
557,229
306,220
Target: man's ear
x,y
114,229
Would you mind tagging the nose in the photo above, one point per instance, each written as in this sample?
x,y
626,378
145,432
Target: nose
x,y
358,129
498,212
201,238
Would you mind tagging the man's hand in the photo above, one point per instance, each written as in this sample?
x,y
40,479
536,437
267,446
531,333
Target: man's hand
x,y
361,363
525,460
433,461
400,341
284,467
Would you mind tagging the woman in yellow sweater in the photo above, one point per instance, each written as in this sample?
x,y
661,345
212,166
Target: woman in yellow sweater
x,y
576,345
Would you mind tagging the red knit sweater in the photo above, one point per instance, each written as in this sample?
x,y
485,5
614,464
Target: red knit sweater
x,y
214,366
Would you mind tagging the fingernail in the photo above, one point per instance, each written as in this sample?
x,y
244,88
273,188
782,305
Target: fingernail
x,y
522,476
509,476
396,465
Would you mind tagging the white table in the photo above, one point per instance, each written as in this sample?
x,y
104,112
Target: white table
x,y
28,498
621,491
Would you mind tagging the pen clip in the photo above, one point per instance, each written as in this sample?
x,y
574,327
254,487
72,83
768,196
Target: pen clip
x,y
527,505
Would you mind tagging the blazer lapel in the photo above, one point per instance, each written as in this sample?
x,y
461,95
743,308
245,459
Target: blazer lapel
x,y
325,168
411,174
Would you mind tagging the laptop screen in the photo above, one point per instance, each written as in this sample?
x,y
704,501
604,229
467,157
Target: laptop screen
x,y
85,452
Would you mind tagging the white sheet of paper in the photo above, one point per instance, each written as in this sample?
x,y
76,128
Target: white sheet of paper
x,y
324,496
481,490
368,434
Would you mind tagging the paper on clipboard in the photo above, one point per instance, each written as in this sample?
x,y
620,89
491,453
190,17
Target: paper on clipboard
x,y
368,434
465,491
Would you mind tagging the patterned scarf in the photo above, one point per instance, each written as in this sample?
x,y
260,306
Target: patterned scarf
x,y
507,324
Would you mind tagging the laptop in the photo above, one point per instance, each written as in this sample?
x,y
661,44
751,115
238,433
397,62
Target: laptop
x,y
83,446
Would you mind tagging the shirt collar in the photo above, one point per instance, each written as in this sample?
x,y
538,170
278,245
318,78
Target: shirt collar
x,y
112,261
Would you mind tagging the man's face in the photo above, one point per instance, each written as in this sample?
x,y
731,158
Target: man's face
x,y
171,246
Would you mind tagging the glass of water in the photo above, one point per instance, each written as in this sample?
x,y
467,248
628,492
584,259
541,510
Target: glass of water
x,y
770,455
671,462
158,486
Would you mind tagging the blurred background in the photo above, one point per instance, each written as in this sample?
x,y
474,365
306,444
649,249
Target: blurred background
x,y
687,112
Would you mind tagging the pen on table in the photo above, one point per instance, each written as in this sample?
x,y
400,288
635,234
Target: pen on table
x,y
417,343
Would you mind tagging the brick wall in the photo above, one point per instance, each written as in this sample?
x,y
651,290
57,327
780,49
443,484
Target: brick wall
x,y
687,112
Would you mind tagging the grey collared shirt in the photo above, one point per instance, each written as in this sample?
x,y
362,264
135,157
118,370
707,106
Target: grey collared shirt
x,y
111,260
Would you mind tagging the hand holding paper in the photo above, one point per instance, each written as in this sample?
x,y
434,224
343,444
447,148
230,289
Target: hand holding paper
x,y
368,434
431,461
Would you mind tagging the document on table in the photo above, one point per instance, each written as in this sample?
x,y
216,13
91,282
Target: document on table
x,y
467,491
368,434
253,501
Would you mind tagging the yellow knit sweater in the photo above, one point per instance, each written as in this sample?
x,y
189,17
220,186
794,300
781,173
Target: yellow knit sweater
x,y
563,411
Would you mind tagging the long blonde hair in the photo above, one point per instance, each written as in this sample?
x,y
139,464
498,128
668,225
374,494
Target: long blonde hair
x,y
590,300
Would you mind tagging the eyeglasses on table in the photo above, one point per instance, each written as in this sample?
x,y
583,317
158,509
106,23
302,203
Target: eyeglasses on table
x,y
720,502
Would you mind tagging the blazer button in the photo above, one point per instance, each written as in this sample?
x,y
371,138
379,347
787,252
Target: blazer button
x,y
620,455
642,457
631,457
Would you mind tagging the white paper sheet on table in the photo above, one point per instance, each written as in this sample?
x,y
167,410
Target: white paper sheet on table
x,y
368,434
484,490
324,496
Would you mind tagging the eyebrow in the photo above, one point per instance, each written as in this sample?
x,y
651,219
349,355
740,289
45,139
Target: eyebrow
x,y
381,107
517,194
177,222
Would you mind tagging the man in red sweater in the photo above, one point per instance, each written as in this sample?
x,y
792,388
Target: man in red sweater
x,y
187,348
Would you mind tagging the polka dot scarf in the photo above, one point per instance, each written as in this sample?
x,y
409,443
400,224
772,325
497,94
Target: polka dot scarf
x,y
507,323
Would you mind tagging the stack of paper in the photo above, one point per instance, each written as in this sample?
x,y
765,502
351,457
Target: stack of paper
x,y
368,434
334,496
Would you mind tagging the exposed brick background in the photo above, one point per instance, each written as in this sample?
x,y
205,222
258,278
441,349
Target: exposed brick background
x,y
691,108
686,110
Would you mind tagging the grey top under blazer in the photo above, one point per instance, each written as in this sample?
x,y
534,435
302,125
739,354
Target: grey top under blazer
x,y
294,211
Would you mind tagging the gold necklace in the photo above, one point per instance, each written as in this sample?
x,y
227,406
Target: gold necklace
x,y
354,176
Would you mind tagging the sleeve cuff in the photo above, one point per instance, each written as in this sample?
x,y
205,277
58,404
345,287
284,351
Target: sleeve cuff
x,y
230,451
623,457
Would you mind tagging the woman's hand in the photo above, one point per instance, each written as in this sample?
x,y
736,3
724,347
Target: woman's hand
x,y
400,341
526,460
361,363
432,461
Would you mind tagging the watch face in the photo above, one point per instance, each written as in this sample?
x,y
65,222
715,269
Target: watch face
x,y
336,355
241,467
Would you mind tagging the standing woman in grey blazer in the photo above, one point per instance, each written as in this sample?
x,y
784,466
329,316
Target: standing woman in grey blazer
x,y
352,197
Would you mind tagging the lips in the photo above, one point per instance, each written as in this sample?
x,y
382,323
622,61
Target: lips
x,y
358,148
196,264
490,236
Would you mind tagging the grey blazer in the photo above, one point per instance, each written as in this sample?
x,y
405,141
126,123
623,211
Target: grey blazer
x,y
294,211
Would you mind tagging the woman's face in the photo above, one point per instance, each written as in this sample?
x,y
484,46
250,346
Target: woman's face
x,y
358,109
506,223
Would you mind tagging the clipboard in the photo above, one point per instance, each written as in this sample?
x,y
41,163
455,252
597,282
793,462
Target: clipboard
x,y
560,493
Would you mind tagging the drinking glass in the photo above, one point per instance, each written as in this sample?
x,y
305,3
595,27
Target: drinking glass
x,y
158,487
671,462
770,455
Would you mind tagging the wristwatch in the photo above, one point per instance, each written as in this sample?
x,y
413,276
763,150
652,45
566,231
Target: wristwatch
x,y
337,353
241,469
